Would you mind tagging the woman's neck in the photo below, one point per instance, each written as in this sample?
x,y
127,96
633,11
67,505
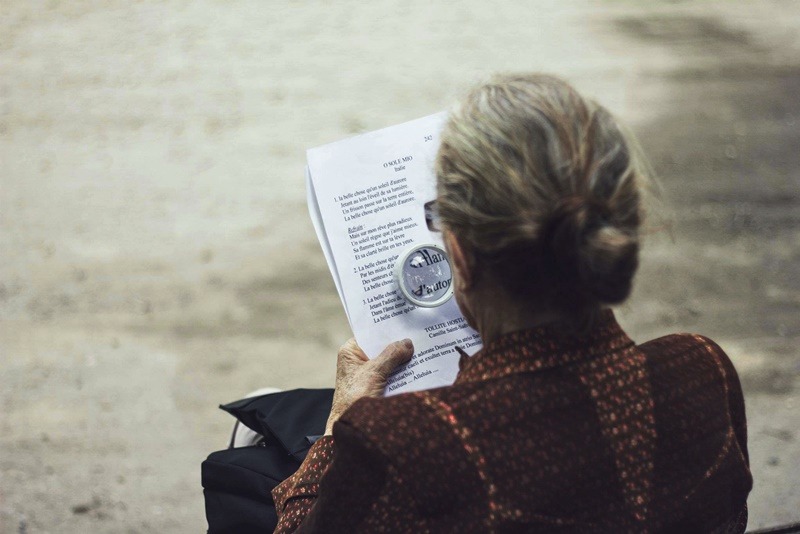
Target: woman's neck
x,y
497,314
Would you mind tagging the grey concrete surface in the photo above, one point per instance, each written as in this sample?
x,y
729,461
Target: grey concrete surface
x,y
156,257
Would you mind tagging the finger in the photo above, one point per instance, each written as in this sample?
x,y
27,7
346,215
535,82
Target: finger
x,y
395,354
351,351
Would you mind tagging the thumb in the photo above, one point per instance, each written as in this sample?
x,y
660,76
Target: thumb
x,y
394,354
351,352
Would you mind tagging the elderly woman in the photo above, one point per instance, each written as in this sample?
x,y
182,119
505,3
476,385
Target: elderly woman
x,y
560,423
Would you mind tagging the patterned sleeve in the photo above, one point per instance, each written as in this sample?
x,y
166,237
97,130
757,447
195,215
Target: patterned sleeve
x,y
295,496
733,388
337,487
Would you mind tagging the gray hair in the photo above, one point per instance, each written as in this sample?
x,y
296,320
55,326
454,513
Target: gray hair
x,y
543,188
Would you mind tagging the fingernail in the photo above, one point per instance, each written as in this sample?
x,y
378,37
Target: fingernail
x,y
407,342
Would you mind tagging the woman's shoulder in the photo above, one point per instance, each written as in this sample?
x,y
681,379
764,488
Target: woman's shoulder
x,y
689,370
420,445
700,411
683,350
673,343
401,426
381,415
399,414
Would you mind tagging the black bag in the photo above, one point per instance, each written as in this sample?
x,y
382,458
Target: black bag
x,y
237,483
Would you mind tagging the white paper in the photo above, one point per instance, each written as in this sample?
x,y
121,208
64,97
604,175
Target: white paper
x,y
366,198
319,227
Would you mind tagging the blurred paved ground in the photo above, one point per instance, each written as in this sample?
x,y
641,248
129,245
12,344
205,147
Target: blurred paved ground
x,y
156,257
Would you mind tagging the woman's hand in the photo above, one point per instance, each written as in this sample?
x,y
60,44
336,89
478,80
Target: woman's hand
x,y
357,376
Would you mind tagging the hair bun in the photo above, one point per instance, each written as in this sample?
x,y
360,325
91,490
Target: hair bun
x,y
592,258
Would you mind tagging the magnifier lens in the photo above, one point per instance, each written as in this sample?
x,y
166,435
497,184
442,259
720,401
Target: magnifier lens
x,y
424,275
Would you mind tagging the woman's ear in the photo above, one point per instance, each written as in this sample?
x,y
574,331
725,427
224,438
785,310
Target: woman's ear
x,y
460,260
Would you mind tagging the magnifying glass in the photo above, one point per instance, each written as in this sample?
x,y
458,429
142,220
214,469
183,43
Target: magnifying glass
x,y
424,275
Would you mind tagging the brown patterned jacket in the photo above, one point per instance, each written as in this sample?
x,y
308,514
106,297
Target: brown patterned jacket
x,y
541,432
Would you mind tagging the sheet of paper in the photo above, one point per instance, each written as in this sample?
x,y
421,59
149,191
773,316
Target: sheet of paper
x,y
319,228
370,192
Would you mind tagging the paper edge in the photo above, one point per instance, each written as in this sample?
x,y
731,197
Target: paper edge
x,y
322,237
